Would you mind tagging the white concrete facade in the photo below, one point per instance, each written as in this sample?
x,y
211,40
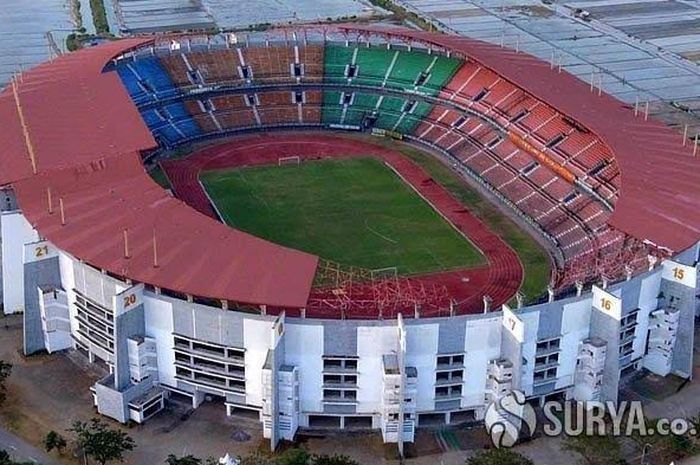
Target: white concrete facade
x,y
308,373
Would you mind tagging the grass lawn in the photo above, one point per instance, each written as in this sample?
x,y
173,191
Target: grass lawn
x,y
533,256
355,211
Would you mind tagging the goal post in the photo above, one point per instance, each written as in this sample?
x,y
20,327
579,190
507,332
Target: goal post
x,y
293,160
384,273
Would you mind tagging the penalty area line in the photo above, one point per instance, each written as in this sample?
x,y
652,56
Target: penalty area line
x,y
377,233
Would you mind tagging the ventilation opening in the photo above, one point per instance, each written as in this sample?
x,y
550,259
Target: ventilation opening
x,y
466,416
194,77
556,140
358,422
245,72
297,70
521,114
459,121
251,99
422,78
600,166
369,121
409,106
494,142
530,168
571,197
482,93
298,97
431,419
351,71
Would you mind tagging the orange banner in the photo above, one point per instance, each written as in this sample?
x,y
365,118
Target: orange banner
x,y
542,157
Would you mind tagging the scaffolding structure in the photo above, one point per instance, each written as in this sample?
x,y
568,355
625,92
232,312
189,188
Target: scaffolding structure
x,y
360,293
617,259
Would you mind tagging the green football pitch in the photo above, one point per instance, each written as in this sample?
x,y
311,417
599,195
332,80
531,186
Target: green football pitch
x,y
352,211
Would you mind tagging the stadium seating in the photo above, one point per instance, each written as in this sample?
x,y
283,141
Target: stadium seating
x,y
388,67
203,67
379,66
575,221
147,82
392,113
276,63
311,110
536,191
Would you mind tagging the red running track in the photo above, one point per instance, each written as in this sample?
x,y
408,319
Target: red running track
x,y
500,279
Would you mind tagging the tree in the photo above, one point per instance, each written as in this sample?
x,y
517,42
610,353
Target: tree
x,y
334,459
53,440
498,457
595,450
185,460
101,442
5,371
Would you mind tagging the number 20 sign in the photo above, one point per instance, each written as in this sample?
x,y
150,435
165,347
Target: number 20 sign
x,y
129,299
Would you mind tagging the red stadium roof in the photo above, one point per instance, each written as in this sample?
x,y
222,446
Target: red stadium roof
x,y
660,191
87,134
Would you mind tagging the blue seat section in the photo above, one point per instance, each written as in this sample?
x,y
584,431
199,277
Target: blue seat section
x,y
147,82
182,119
151,118
161,126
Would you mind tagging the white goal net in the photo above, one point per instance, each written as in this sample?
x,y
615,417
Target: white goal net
x,y
295,160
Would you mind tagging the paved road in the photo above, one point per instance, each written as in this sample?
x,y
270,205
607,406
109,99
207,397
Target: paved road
x,y
22,450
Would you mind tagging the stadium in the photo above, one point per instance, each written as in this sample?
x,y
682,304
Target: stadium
x,y
363,227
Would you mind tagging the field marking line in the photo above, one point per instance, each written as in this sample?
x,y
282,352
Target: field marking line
x,y
211,201
377,233
436,209
254,192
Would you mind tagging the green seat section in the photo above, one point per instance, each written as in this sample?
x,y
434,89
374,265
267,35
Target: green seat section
x,y
407,67
366,101
332,110
390,112
372,65
378,66
335,60
440,74
410,120
355,115
362,105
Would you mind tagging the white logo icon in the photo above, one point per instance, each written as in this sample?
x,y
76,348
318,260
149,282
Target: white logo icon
x,y
508,417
